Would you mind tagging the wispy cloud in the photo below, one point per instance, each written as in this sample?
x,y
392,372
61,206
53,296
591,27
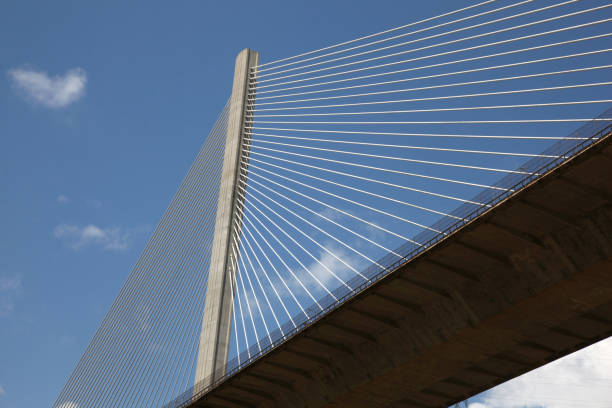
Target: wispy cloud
x,y
580,379
10,284
67,340
113,238
329,268
323,268
62,199
2,392
328,263
49,91
8,289
95,203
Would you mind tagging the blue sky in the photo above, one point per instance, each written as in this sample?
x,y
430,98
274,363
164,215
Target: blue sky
x,y
103,107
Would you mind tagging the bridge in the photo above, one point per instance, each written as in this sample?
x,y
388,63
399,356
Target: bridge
x,y
405,219
518,287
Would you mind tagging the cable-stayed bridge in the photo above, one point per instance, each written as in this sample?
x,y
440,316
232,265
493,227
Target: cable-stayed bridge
x,y
403,219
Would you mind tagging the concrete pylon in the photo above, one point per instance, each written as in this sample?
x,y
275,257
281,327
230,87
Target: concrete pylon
x,y
217,319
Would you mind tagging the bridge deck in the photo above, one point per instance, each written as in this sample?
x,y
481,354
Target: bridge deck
x,y
523,285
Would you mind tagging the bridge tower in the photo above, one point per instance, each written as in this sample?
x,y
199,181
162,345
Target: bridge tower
x,y
217,319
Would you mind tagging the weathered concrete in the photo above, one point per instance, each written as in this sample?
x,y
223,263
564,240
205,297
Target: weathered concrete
x,y
217,319
526,283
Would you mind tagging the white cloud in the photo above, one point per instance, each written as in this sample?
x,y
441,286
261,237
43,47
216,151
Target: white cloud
x,y
62,199
324,268
328,265
321,268
95,203
2,391
6,305
332,214
10,284
113,238
8,289
67,340
580,379
52,92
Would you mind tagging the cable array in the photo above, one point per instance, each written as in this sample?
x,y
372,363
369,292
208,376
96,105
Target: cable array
x,y
362,154
143,353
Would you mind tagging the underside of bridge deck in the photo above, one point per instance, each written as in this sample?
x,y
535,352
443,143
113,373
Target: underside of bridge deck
x,y
525,284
